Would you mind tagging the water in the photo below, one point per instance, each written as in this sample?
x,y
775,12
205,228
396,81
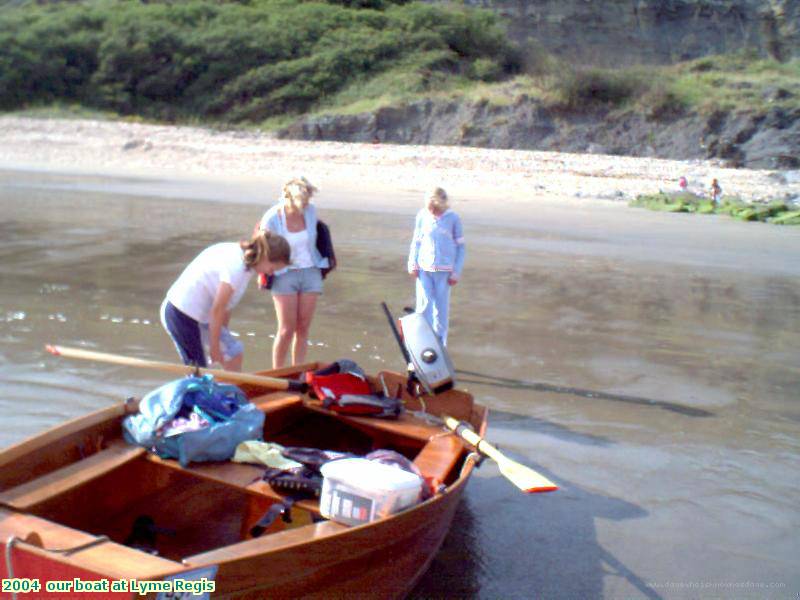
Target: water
x,y
647,363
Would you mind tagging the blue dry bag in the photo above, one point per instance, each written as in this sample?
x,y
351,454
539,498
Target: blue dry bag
x,y
230,419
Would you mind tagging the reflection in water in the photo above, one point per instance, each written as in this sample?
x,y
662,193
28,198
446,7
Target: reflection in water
x,y
517,384
644,491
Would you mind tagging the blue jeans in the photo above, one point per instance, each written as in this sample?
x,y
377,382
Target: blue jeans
x,y
433,300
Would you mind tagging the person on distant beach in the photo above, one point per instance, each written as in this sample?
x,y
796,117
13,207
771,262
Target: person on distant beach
x,y
715,192
296,288
683,183
436,259
198,306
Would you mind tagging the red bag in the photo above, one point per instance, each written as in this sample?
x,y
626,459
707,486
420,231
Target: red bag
x,y
349,394
336,385
265,281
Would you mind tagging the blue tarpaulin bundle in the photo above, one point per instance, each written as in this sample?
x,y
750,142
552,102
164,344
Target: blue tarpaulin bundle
x,y
214,418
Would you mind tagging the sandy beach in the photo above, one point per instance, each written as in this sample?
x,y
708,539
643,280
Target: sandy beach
x,y
370,171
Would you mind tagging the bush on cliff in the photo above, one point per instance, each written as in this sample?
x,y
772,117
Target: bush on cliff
x,y
228,60
599,87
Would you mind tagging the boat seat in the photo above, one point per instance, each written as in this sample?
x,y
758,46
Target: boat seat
x,y
277,402
29,494
406,426
236,475
438,457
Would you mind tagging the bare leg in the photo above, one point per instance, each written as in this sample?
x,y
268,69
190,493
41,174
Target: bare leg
x,y
286,312
305,312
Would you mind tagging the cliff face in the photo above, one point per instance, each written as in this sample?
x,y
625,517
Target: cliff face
x,y
609,33
767,141
627,32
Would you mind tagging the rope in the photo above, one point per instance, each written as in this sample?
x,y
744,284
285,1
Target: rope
x,y
13,540
101,539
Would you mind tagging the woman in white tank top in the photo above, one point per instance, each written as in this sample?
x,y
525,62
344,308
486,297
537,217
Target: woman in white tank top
x,y
295,289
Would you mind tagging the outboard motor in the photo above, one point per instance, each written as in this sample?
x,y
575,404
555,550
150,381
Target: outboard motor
x,y
426,356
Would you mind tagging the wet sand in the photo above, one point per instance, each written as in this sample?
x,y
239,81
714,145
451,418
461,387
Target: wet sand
x,y
646,362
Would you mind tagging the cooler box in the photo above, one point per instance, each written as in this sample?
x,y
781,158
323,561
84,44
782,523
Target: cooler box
x,y
357,490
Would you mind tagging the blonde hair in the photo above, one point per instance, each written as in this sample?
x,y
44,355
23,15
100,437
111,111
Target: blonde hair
x,y
296,191
265,244
438,198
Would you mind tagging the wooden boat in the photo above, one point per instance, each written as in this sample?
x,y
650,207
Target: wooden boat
x,y
69,498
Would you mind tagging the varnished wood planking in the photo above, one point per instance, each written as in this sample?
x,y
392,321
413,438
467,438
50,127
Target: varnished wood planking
x,y
71,476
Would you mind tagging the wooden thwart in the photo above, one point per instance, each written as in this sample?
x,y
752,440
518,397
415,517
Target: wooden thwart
x,y
238,476
29,494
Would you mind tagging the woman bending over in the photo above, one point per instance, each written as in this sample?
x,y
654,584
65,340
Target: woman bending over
x,y
198,306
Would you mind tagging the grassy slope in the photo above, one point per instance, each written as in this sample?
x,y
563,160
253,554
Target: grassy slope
x,y
728,83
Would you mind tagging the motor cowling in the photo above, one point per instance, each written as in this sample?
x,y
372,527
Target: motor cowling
x,y
429,358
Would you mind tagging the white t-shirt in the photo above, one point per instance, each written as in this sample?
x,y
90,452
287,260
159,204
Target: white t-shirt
x,y
301,255
194,291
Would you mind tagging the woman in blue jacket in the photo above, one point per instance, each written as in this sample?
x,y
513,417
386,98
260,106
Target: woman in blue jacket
x,y
436,259
296,288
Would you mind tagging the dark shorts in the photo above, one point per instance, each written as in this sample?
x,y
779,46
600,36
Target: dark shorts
x,y
191,337
185,333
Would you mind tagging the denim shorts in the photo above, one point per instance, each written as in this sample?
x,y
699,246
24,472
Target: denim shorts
x,y
228,344
298,281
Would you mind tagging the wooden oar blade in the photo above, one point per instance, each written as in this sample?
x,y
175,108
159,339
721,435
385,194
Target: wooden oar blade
x,y
525,478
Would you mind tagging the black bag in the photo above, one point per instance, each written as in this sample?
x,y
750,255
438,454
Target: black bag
x,y
265,281
325,247
302,483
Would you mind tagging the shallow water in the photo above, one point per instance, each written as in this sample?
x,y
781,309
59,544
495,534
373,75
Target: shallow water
x,y
647,363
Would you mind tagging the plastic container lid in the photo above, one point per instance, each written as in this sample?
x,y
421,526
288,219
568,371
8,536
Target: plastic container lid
x,y
370,474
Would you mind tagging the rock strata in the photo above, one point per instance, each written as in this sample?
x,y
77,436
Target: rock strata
x,y
770,141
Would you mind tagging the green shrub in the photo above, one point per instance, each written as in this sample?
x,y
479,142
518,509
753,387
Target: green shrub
x,y
593,87
486,70
235,61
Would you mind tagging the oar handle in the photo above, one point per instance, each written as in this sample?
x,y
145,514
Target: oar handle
x,y
274,383
462,430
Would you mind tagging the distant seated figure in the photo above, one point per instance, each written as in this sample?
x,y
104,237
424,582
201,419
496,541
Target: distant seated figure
x,y
715,193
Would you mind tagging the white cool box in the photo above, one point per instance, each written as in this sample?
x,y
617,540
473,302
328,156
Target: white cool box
x,y
357,490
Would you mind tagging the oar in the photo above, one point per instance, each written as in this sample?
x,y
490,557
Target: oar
x,y
274,383
521,476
